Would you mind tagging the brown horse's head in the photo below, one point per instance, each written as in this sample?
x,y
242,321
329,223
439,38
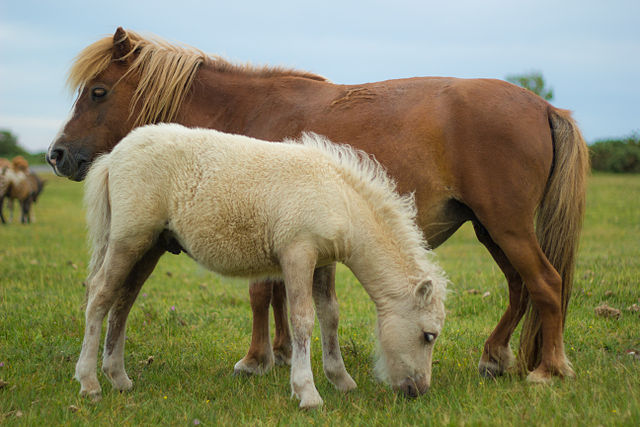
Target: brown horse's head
x,y
101,114
123,81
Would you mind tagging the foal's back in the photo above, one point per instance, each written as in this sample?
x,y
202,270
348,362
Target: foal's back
x,y
232,202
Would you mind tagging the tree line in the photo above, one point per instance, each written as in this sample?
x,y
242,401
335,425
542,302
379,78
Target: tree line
x,y
10,148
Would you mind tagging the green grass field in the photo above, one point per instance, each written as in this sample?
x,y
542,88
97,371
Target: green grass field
x,y
196,325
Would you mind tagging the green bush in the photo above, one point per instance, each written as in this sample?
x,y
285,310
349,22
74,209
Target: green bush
x,y
616,155
9,148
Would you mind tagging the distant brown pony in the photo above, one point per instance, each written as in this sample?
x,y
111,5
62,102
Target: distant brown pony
x,y
5,183
474,150
19,182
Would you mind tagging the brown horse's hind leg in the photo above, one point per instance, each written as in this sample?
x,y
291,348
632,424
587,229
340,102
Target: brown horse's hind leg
x,y
282,335
113,356
259,358
517,240
497,356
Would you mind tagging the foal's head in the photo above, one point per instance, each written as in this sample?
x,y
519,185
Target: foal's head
x,y
408,327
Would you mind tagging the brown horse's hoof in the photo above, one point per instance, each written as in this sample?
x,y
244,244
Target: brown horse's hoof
x,y
497,363
490,370
543,374
253,366
539,376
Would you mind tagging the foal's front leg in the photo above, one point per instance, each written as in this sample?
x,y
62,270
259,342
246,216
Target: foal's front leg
x,y
113,355
324,297
297,262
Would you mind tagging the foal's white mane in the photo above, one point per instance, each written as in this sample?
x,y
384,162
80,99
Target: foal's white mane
x,y
397,212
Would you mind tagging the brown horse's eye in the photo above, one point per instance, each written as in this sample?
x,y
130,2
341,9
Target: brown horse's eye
x,y
98,93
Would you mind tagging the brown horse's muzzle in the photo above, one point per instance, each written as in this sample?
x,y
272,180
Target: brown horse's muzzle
x,y
73,165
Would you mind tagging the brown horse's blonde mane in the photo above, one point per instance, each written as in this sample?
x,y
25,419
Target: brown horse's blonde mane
x,y
166,72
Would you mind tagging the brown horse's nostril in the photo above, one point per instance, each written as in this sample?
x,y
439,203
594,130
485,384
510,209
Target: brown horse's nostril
x,y
61,161
55,156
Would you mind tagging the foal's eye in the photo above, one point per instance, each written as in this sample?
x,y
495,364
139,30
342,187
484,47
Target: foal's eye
x,y
98,93
429,337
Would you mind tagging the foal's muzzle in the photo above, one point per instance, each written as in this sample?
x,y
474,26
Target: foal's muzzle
x,y
413,387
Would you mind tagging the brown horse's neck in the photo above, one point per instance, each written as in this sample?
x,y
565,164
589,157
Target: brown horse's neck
x,y
267,107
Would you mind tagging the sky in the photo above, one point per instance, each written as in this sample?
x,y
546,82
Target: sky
x,y
588,51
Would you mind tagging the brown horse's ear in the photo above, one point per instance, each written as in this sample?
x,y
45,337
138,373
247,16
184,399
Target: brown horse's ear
x,y
121,44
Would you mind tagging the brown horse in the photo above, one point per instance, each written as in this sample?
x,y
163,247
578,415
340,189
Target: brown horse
x,y
472,150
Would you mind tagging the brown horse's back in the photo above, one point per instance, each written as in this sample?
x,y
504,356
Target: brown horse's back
x,y
459,144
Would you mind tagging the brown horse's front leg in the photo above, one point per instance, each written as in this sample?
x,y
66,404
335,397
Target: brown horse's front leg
x,y
259,358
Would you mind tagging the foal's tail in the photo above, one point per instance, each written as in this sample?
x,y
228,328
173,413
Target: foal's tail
x,y
559,221
96,200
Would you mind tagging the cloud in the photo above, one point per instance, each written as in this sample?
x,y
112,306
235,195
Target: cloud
x,y
16,36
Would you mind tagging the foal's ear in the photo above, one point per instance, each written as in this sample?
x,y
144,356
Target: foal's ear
x,y
121,44
424,289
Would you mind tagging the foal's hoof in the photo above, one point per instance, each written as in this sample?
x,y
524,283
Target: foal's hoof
x,y
94,396
311,402
346,384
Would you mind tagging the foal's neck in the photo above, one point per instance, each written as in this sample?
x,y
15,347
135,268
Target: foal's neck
x,y
378,262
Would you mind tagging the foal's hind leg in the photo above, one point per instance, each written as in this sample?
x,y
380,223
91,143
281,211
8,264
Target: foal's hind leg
x,y
497,356
324,297
113,355
102,291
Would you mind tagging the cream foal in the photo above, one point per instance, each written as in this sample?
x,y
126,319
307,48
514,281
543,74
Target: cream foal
x,y
244,207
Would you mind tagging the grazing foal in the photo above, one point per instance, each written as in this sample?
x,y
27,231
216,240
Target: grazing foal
x,y
245,207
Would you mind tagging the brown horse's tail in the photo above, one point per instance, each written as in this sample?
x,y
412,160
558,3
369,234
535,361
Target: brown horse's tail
x,y
96,201
559,221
